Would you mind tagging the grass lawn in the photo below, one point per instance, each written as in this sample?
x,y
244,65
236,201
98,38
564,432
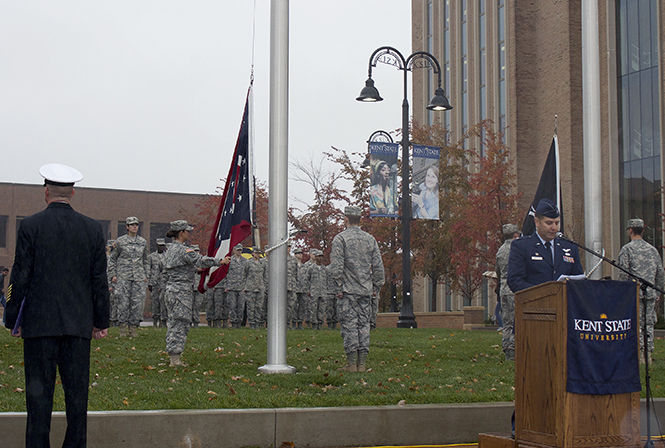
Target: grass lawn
x,y
417,366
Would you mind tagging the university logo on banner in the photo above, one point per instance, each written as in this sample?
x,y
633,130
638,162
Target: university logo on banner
x,y
383,180
425,188
602,337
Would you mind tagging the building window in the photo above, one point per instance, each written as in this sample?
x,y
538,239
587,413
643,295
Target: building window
x,y
446,56
639,95
3,230
464,112
501,38
482,70
106,227
158,230
449,298
430,49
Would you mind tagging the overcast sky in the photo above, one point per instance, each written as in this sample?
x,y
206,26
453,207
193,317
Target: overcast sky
x,y
148,94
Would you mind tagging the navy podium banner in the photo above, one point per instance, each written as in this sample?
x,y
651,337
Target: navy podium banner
x,y
602,337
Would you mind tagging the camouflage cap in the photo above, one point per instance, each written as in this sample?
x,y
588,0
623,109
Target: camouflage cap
x,y
547,207
180,224
635,223
297,251
160,242
196,247
237,247
352,210
131,220
316,252
110,242
509,229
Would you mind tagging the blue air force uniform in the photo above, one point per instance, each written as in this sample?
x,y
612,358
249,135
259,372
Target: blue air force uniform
x,y
529,264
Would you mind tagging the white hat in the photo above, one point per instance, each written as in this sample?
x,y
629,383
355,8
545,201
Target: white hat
x,y
59,174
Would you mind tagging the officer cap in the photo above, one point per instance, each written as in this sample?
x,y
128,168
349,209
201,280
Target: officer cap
x,y
180,224
546,207
237,247
297,251
352,210
160,242
509,229
59,174
635,223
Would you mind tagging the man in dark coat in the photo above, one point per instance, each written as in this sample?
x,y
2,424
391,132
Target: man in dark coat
x,y
58,299
542,257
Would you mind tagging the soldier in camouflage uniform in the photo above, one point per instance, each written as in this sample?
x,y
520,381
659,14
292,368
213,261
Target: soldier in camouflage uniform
x,y
220,305
179,262
292,264
129,268
235,285
155,285
642,259
254,289
317,287
113,319
197,297
357,267
510,232
303,297
330,299
210,307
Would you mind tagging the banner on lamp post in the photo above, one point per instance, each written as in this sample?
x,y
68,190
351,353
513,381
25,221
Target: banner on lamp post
x,y
425,187
383,180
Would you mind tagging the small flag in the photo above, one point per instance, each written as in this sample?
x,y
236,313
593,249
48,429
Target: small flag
x,y
233,223
548,187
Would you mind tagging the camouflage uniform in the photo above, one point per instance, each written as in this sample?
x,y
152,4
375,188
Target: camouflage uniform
x,y
302,292
156,286
317,286
330,299
179,261
291,288
197,299
643,259
254,291
113,316
210,307
130,264
507,301
358,272
235,284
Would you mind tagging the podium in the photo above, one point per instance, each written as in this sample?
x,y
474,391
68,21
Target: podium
x,y
546,415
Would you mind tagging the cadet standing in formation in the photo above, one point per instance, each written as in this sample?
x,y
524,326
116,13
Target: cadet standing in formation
x,y
357,268
291,288
254,289
507,298
642,259
317,282
129,269
235,285
179,262
156,284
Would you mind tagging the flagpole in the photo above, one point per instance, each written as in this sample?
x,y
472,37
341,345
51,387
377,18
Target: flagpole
x,y
277,184
593,199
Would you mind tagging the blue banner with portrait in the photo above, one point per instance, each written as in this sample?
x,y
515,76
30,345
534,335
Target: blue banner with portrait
x,y
425,188
383,180
602,337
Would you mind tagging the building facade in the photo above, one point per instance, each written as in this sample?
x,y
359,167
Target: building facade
x,y
519,63
109,207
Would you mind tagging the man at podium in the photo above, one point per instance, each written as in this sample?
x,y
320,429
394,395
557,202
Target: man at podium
x,y
541,257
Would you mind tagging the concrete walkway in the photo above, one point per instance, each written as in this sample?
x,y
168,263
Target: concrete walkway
x,y
409,425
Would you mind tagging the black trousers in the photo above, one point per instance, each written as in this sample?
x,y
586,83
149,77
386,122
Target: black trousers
x,y
71,356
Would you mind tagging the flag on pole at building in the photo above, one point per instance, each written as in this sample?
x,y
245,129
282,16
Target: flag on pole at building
x,y
548,187
233,223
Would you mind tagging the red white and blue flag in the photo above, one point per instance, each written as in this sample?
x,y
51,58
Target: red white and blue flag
x,y
233,223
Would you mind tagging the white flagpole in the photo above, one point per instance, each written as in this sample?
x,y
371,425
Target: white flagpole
x,y
593,211
277,183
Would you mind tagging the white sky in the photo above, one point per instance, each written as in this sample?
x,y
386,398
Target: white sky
x,y
149,94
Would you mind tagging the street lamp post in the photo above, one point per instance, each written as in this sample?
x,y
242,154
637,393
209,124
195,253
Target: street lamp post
x,y
369,93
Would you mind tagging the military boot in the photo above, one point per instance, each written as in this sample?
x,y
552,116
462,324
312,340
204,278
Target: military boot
x,y
133,331
176,361
123,330
351,362
362,358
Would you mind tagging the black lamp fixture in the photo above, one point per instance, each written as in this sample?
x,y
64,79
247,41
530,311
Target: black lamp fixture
x,y
439,101
369,93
